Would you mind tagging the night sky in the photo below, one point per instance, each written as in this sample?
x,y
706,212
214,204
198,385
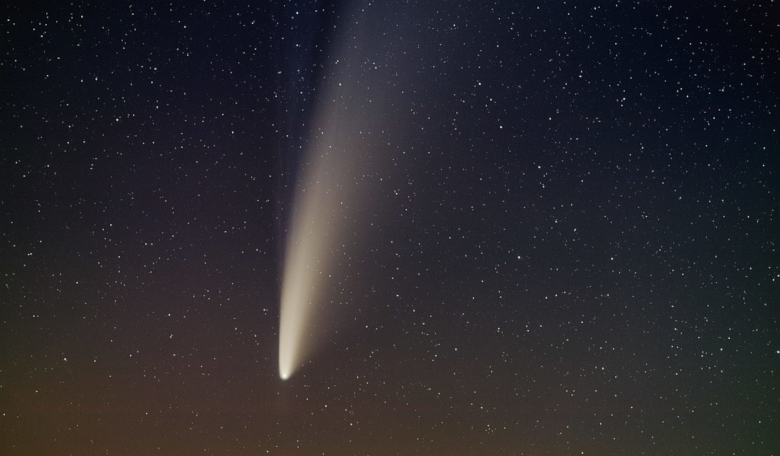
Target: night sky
x,y
563,237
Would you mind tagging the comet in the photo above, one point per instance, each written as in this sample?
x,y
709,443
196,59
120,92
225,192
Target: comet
x,y
326,207
313,230
345,157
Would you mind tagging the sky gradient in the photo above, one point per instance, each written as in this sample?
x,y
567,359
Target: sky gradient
x,y
554,227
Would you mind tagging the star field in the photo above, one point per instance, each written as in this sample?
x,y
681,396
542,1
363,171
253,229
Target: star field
x,y
566,241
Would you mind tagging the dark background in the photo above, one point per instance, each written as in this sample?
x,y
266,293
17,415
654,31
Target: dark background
x,y
573,251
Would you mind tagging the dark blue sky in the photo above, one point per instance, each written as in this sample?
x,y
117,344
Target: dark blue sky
x,y
569,246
